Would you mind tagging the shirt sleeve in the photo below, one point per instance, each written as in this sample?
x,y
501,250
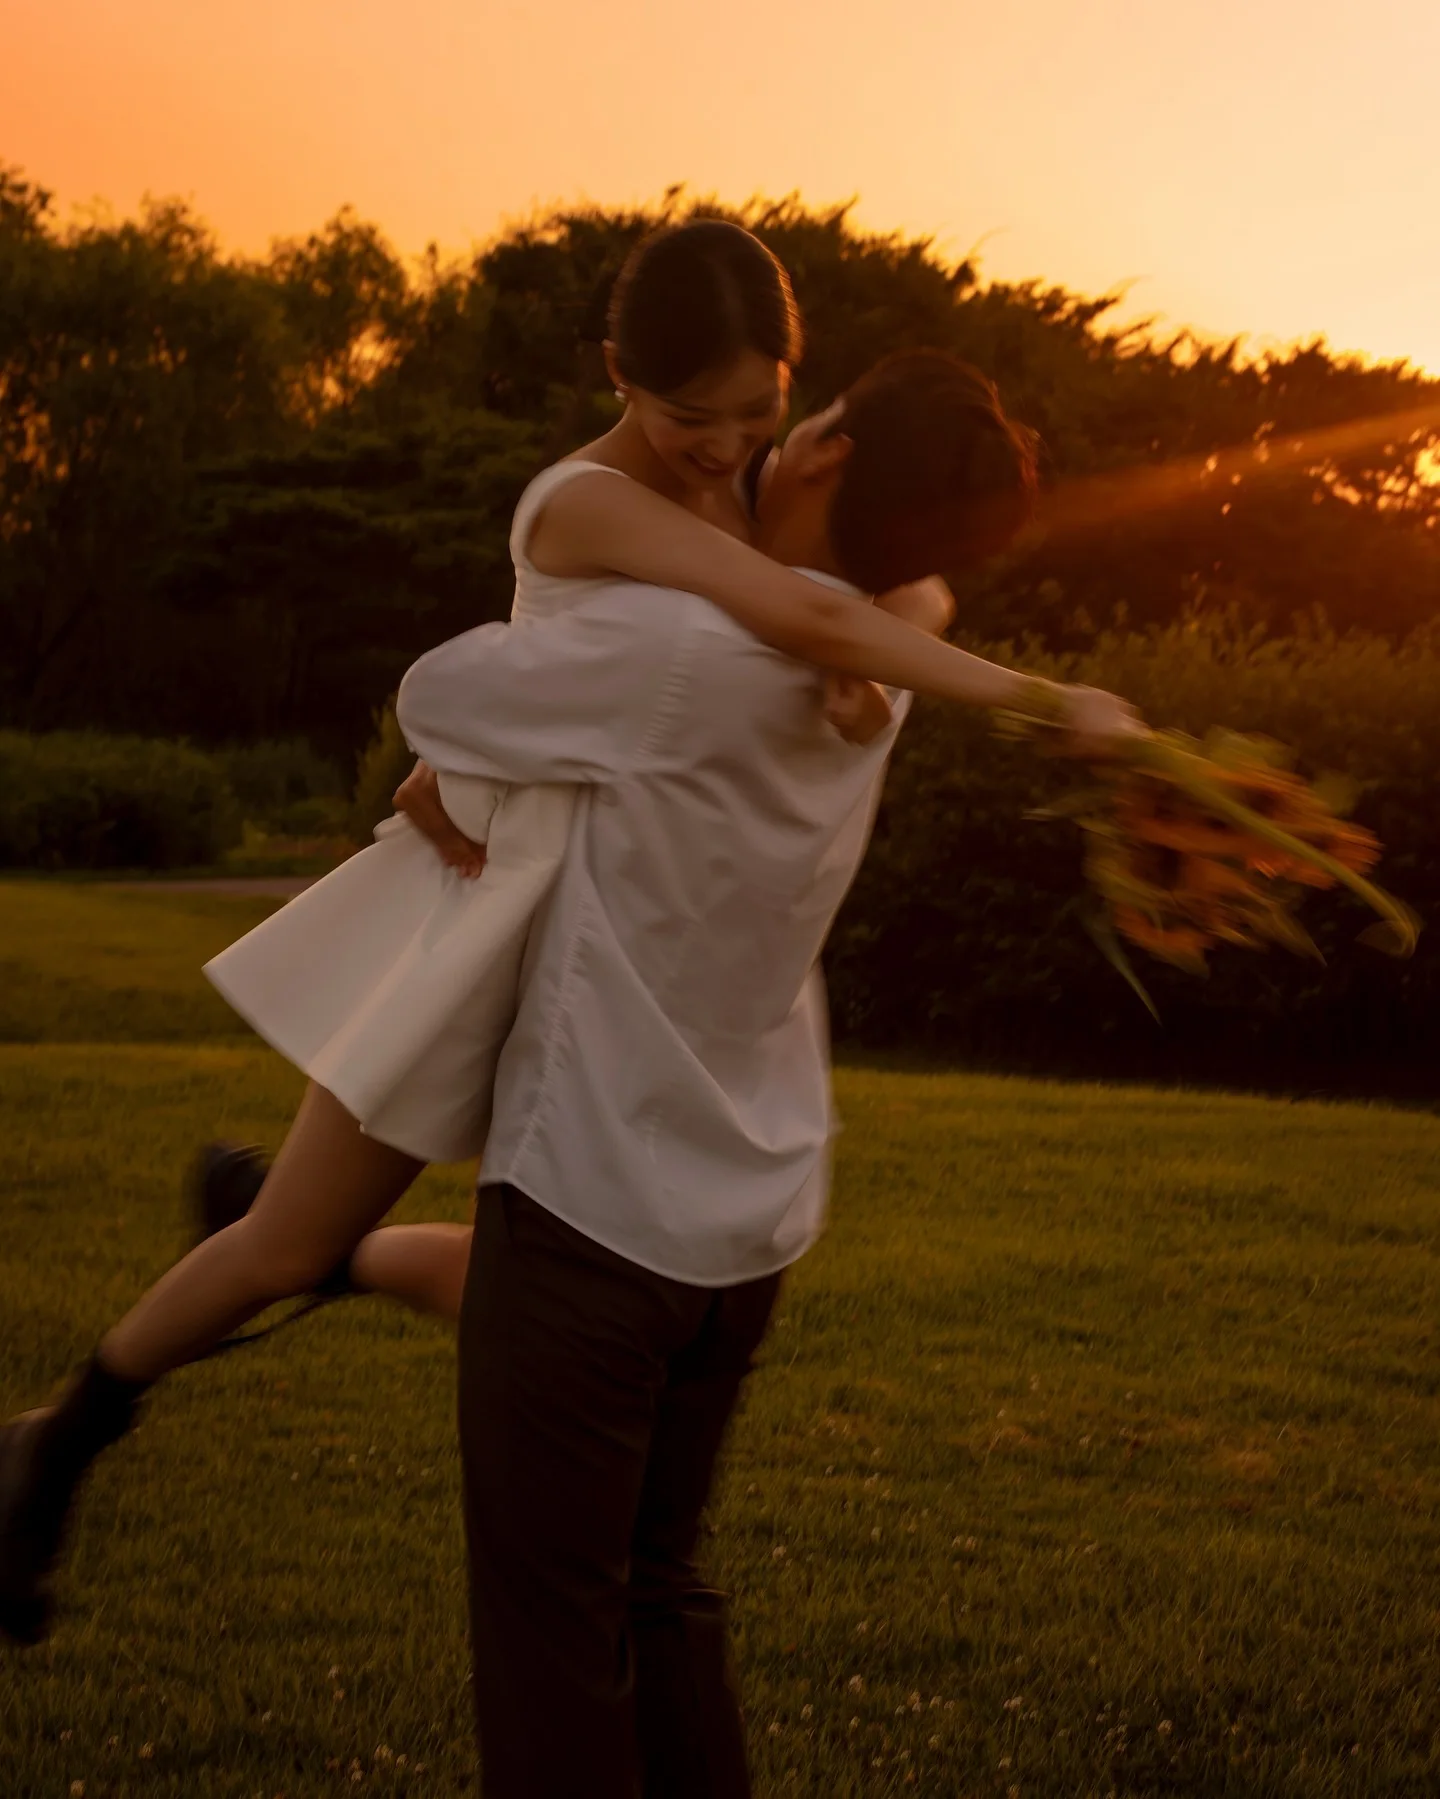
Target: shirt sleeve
x,y
581,697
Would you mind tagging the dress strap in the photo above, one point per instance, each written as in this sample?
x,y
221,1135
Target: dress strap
x,y
534,498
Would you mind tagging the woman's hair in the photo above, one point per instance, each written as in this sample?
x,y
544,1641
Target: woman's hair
x,y
938,478
692,297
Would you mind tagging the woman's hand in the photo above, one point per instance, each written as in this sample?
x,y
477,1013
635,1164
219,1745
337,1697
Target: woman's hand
x,y
1099,724
418,797
858,709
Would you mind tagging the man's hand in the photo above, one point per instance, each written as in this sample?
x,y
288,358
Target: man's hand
x,y
418,797
858,709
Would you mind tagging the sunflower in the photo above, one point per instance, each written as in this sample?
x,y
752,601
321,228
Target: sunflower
x,y
1190,845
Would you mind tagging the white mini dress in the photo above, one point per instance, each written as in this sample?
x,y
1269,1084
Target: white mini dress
x,y
393,982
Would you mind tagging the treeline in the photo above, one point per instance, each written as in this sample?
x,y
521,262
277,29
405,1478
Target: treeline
x,y
238,496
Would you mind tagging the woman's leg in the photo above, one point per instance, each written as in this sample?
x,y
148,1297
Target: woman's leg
x,y
328,1187
422,1265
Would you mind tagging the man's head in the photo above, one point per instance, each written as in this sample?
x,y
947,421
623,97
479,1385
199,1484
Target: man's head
x,y
915,471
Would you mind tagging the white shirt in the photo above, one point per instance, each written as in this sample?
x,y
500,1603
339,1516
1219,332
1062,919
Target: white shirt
x,y
665,1089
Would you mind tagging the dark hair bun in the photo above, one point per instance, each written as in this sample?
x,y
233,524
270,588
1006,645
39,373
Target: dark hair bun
x,y
692,297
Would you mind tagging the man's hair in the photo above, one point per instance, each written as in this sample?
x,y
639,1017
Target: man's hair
x,y
939,477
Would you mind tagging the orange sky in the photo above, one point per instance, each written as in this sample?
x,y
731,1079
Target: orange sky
x,y
1270,166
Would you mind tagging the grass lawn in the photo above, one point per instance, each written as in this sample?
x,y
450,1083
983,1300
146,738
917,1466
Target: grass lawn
x,y
1097,1450
87,963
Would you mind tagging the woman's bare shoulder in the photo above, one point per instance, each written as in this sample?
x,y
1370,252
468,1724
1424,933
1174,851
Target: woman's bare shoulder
x,y
573,524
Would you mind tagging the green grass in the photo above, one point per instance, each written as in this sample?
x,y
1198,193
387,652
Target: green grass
x,y
1097,1452
88,963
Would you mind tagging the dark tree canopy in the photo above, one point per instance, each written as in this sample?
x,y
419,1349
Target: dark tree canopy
x,y
237,496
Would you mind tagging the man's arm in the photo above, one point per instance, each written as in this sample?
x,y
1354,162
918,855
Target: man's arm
x,y
575,698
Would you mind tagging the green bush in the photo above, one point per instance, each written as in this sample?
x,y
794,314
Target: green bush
x,y
80,799
965,931
386,761
286,790
283,785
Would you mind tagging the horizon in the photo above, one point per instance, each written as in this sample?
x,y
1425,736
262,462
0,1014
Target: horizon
x,y
1229,174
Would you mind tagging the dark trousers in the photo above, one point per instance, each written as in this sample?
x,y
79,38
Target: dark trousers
x,y
594,1398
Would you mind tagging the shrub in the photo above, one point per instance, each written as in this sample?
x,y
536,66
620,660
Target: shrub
x,y
384,764
79,799
286,790
277,775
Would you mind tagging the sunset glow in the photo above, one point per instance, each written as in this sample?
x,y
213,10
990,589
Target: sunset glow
x,y
1266,169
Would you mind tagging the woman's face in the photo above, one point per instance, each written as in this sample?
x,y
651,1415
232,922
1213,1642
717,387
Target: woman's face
x,y
707,431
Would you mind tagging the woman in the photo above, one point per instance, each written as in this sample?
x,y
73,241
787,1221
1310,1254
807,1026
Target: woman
x,y
703,335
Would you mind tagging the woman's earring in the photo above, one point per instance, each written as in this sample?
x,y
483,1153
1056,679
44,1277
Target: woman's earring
x,y
622,394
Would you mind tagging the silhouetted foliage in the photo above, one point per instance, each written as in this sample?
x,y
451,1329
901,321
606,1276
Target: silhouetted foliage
x,y
238,495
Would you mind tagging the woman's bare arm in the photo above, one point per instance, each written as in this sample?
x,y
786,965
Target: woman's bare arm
x,y
594,528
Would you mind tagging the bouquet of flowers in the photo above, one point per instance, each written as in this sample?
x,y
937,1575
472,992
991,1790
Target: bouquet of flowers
x,y
1189,845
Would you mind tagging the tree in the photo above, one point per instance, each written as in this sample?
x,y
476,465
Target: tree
x,y
312,579
238,495
127,355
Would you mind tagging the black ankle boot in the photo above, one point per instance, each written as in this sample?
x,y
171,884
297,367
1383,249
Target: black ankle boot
x,y
27,1554
337,1284
44,1457
224,1182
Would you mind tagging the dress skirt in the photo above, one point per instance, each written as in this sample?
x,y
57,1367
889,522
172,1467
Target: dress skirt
x,y
394,981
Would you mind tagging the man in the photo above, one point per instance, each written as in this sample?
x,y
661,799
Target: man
x,y
662,1116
